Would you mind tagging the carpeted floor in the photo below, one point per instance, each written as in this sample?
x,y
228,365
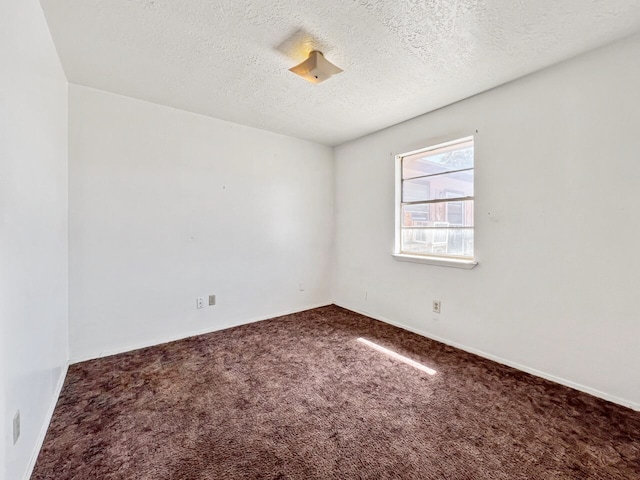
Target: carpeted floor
x,y
300,397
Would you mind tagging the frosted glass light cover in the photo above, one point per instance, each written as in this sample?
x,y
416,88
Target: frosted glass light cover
x,y
316,68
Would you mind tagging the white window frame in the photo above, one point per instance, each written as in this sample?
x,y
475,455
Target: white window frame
x,y
430,259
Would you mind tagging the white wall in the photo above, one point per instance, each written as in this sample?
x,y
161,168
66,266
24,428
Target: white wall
x,y
33,229
166,206
557,237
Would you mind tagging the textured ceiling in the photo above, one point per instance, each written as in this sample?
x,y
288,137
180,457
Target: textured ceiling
x,y
229,58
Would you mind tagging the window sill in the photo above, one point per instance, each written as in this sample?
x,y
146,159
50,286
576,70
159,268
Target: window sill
x,y
439,261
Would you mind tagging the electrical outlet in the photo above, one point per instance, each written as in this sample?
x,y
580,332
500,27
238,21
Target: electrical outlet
x,y
200,302
301,287
16,427
212,300
436,306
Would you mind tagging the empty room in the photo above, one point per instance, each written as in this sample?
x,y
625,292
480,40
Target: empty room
x,y
251,239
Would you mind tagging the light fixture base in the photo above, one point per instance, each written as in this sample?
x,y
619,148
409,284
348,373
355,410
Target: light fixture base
x,y
316,68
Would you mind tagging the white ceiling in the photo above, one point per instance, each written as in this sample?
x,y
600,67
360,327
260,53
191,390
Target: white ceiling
x,y
229,58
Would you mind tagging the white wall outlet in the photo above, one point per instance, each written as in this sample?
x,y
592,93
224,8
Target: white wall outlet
x,y
212,300
200,302
436,306
16,427
301,287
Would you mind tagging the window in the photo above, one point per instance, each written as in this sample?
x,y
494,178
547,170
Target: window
x,y
435,201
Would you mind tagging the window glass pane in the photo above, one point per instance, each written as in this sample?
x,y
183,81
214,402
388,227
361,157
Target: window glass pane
x,y
440,160
445,214
448,185
438,241
435,182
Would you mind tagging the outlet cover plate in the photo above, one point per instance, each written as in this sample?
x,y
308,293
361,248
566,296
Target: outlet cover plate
x,y
436,306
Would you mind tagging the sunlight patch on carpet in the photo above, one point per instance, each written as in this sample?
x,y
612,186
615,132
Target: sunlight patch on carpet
x,y
397,356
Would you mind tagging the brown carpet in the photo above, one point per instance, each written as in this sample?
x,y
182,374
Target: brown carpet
x,y
299,397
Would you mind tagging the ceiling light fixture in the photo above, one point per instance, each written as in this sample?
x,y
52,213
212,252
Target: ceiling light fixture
x,y
316,68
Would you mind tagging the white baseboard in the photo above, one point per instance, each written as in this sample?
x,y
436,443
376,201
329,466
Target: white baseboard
x,y
45,425
181,336
567,383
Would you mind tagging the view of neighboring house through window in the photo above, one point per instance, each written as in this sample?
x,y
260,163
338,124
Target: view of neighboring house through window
x,y
436,200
